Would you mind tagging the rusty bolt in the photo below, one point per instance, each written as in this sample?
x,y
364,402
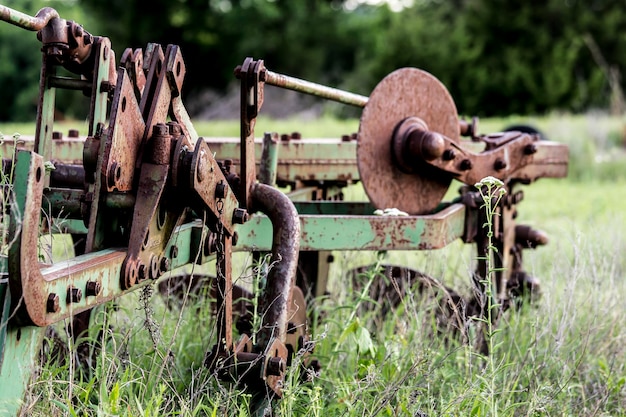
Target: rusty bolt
x,y
53,306
448,155
164,265
345,138
174,129
296,135
57,135
235,238
160,129
73,133
466,164
354,136
174,252
74,295
530,149
275,366
93,288
240,216
220,190
263,75
285,138
499,165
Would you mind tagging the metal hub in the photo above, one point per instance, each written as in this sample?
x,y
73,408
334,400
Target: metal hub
x,y
407,92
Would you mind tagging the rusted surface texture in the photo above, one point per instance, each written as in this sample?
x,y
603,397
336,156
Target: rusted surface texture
x,y
300,160
285,245
25,21
318,90
23,257
358,232
513,155
251,103
403,93
124,134
205,175
224,294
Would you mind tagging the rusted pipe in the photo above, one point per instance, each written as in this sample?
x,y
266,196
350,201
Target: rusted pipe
x,y
307,87
27,22
285,246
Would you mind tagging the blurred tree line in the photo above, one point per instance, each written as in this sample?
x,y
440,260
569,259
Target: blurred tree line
x,y
495,56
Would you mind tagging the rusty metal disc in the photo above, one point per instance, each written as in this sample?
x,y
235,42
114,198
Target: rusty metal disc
x,y
407,92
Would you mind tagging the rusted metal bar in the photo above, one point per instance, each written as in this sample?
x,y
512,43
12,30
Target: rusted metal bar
x,y
269,159
284,262
25,21
359,232
318,90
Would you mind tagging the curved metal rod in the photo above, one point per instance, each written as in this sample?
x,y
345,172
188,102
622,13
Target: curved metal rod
x,y
282,273
25,21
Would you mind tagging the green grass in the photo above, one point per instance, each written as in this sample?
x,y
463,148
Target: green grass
x,y
564,356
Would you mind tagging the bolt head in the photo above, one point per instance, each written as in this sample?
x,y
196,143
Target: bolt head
x,y
530,149
74,295
93,288
448,155
466,164
240,216
53,303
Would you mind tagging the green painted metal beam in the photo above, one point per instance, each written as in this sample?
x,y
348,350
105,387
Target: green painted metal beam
x,y
352,232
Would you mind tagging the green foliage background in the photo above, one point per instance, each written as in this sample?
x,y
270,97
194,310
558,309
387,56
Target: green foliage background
x,y
495,56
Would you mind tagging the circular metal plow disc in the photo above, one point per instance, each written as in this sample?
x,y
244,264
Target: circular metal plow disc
x,y
404,93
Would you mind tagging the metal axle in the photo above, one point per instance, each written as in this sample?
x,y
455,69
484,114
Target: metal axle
x,y
318,90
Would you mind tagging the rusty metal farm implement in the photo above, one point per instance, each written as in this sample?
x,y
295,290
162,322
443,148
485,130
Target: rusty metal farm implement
x,y
142,196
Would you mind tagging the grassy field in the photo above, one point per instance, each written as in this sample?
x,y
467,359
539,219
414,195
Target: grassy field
x,y
563,356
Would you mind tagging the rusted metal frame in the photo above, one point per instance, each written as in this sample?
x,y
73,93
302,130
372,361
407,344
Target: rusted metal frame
x,y
125,132
251,101
25,21
42,296
154,221
103,73
153,63
319,232
165,81
507,160
132,61
335,208
269,159
45,110
224,297
97,223
300,160
209,183
175,73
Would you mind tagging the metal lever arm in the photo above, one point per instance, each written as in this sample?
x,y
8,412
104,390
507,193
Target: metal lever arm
x,y
25,21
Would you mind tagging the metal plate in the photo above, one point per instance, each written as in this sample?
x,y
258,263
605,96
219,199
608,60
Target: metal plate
x,y
404,93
